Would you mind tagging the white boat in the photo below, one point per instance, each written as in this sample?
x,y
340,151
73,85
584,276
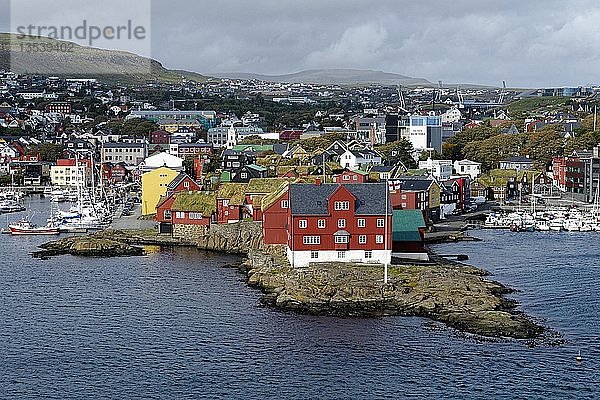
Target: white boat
x,y
542,225
26,227
556,224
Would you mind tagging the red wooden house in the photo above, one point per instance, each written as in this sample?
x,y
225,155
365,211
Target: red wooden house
x,y
257,189
180,210
416,200
231,202
332,223
275,216
193,209
351,177
164,214
183,183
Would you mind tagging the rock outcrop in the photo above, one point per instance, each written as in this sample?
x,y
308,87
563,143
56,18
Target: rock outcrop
x,y
88,246
451,293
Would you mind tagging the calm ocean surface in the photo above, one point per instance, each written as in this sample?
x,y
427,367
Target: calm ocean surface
x,y
176,325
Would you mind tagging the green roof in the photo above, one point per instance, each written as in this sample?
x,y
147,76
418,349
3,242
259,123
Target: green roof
x,y
256,167
264,185
206,203
234,192
406,224
225,176
259,148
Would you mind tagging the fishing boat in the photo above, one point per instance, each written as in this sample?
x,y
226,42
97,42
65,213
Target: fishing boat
x,y
26,227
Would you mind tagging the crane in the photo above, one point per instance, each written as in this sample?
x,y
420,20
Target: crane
x,y
401,99
502,93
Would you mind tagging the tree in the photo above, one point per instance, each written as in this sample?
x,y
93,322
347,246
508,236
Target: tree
x,y
49,152
401,150
462,139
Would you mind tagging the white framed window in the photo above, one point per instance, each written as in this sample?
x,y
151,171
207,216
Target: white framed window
x,y
311,240
179,214
381,223
244,175
368,254
321,224
342,239
167,214
341,255
362,239
314,255
362,222
285,203
303,224
195,215
379,239
341,223
186,184
346,178
341,205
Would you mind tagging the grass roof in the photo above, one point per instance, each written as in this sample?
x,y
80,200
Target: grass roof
x,y
269,199
264,185
234,192
205,203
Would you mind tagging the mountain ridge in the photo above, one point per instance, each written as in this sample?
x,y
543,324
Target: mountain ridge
x,y
339,76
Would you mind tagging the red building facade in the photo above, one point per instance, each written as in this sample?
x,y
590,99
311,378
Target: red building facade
x,y
331,223
569,174
350,177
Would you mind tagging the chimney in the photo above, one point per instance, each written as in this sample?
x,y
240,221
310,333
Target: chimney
x,y
318,182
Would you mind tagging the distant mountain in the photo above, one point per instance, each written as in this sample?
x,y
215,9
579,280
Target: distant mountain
x,y
124,67
333,77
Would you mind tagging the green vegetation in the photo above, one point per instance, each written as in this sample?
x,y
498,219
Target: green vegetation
x,y
234,192
400,150
538,105
196,202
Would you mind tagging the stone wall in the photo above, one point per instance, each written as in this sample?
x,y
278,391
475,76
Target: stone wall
x,y
189,232
237,238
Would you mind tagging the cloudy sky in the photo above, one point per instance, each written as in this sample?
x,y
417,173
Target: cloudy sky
x,y
525,42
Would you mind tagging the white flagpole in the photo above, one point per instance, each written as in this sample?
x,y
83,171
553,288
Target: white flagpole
x,y
385,235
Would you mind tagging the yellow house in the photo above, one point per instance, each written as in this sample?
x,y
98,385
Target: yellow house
x,y
154,185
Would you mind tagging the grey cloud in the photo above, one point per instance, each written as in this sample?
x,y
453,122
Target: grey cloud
x,y
526,43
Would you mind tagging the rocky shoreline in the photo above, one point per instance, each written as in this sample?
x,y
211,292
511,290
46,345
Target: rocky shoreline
x,y
456,294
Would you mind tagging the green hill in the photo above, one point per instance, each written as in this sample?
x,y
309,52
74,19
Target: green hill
x,y
122,66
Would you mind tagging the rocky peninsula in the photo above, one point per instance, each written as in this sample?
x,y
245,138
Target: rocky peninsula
x,y
456,294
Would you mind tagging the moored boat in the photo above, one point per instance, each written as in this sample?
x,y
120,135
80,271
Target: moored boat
x,y
26,227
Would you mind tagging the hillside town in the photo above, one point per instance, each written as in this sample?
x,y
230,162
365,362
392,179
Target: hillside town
x,y
350,174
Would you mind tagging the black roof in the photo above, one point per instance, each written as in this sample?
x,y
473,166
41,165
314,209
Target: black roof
x,y
518,159
308,199
382,168
414,184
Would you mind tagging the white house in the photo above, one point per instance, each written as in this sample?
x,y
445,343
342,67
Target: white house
x,y
440,169
468,167
162,160
452,115
360,159
7,151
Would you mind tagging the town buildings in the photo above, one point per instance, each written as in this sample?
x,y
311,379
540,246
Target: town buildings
x,y
71,173
129,153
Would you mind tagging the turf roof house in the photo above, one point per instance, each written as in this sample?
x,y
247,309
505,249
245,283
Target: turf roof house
x,y
330,223
257,189
231,202
192,213
182,183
